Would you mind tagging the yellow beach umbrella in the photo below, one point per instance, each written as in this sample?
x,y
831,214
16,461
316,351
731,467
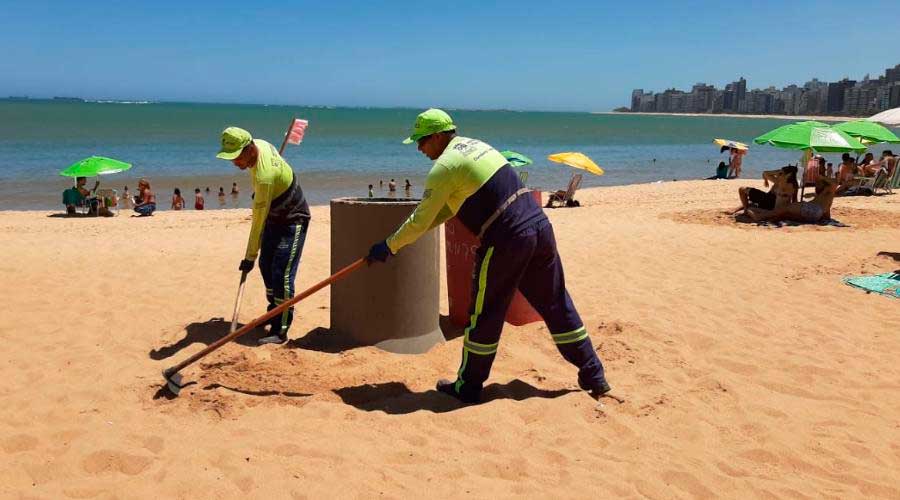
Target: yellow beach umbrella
x,y
577,160
731,144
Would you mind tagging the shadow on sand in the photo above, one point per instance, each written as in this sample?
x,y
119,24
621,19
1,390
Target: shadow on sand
x,y
321,339
248,392
206,333
394,398
891,255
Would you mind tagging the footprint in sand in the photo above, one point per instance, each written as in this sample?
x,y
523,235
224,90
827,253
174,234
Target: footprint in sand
x,y
19,443
155,444
104,461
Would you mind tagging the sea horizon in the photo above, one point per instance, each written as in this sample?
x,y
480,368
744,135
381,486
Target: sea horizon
x,y
347,148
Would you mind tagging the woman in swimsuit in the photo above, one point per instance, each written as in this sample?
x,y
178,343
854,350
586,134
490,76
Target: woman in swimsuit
x,y
811,212
783,192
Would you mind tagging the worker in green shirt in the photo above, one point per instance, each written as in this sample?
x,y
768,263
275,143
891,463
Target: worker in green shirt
x,y
280,221
474,182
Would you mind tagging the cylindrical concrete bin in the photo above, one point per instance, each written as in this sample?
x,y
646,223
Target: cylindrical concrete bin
x,y
461,246
395,305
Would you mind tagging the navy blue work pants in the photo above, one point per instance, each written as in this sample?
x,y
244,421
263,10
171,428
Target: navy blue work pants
x,y
279,257
529,262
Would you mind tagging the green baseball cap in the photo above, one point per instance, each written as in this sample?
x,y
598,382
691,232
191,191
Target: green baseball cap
x,y
430,121
233,141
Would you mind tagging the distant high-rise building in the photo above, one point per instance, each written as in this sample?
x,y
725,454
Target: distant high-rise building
x,y
636,99
836,92
740,91
728,102
892,74
894,99
860,100
814,84
702,96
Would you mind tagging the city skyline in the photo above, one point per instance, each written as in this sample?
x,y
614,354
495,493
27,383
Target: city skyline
x,y
845,97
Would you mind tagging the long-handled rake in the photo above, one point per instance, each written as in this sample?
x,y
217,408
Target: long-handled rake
x,y
237,302
173,379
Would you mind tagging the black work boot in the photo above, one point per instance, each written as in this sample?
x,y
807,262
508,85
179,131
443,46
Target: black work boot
x,y
597,389
466,397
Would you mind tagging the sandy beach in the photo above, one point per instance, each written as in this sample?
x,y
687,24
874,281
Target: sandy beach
x,y
748,368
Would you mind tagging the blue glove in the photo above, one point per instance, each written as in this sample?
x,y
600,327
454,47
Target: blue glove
x,y
380,252
246,266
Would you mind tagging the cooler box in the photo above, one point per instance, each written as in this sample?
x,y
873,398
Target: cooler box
x,y
461,245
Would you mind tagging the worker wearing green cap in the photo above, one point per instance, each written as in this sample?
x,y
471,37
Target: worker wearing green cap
x,y
280,221
474,182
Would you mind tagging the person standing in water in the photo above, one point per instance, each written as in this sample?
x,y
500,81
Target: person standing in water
x,y
177,200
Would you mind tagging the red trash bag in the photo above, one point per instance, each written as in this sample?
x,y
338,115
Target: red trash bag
x,y
461,246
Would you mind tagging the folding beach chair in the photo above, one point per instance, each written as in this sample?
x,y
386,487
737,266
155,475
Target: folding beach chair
x,y
567,197
868,185
893,181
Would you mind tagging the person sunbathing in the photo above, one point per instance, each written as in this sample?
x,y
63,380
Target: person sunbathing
x,y
846,173
869,166
784,190
810,212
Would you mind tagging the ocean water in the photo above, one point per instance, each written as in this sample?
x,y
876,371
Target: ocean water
x,y
345,149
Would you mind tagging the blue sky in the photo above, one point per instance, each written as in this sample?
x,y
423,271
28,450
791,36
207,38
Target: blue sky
x,y
562,55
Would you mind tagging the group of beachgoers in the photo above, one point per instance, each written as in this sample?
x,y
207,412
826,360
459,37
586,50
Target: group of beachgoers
x,y
781,202
143,203
392,188
179,203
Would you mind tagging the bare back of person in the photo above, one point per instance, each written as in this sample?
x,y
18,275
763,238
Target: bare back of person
x,y
812,212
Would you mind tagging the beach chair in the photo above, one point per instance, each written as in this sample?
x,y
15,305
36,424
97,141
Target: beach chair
x,y
73,199
567,197
893,181
869,185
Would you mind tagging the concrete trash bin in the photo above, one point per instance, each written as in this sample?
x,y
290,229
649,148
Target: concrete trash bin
x,y
393,306
461,246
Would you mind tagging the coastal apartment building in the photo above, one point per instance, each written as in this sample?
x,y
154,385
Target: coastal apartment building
x,y
845,97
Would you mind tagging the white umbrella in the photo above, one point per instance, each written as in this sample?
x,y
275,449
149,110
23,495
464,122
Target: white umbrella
x,y
891,117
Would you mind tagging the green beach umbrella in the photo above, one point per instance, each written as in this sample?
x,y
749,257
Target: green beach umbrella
x,y
516,159
867,132
95,165
811,135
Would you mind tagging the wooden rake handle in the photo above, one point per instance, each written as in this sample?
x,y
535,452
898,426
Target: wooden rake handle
x,y
265,317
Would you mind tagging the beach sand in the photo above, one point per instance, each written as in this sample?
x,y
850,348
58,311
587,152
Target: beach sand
x,y
748,368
